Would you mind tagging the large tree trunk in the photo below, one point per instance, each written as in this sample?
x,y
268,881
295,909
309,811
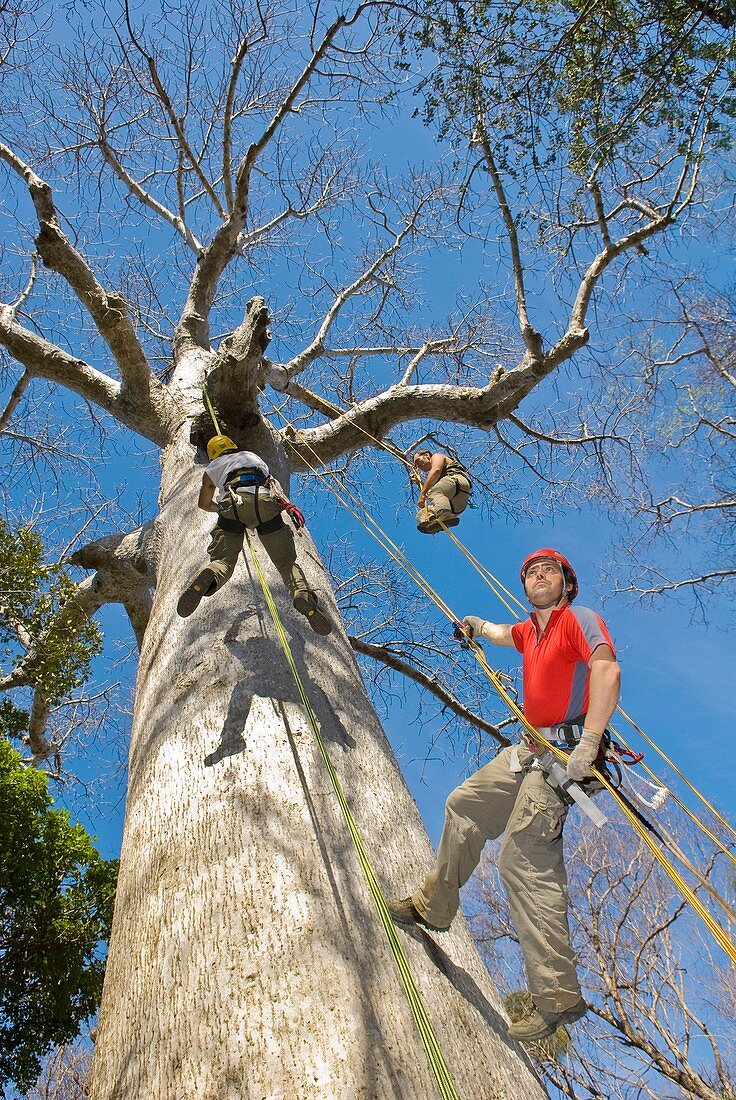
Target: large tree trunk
x,y
247,959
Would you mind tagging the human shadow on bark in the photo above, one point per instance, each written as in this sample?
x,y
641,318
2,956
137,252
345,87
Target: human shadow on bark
x,y
253,654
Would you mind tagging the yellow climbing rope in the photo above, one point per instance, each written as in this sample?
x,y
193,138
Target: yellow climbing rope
x,y
435,1056
210,410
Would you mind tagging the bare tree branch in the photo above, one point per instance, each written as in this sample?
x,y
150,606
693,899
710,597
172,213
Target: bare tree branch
x,y
193,326
42,359
388,657
235,65
14,400
532,339
478,406
123,575
358,286
177,123
144,196
108,310
716,575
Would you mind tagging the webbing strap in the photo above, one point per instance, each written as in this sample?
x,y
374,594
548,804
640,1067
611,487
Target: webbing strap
x,y
435,1056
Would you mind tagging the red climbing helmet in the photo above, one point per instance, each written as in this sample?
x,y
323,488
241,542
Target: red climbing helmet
x,y
547,553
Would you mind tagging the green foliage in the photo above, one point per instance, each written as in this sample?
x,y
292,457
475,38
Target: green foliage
x,y
56,901
579,81
13,720
41,626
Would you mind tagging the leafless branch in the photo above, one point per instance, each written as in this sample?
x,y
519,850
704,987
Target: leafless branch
x,y
108,309
392,659
193,325
42,359
176,122
176,220
123,574
236,65
717,576
358,286
532,339
14,400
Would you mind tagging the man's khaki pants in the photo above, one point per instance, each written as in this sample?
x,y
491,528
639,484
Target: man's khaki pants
x,y
449,494
531,813
257,510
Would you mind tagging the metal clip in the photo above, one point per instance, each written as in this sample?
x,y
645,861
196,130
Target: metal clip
x,y
554,771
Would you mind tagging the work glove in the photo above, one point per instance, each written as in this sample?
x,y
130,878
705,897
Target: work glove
x,y
583,756
473,625
295,514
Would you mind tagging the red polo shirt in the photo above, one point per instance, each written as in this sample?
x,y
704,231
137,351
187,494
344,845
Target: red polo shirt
x,y
555,666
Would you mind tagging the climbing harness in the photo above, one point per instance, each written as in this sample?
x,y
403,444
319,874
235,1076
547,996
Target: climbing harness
x,y
245,478
435,1056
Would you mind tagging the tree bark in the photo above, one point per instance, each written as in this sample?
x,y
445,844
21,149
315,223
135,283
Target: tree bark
x,y
246,959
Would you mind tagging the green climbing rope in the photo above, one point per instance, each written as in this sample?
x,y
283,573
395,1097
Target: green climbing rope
x,y
435,1056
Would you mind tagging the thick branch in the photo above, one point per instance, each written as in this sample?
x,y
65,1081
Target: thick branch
x,y
386,657
36,738
14,399
42,359
606,257
373,418
108,310
123,575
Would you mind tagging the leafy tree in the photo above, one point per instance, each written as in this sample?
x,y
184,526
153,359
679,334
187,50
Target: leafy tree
x,y
47,637
56,901
557,112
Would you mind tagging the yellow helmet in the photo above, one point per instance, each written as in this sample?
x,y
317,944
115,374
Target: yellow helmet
x,y
218,445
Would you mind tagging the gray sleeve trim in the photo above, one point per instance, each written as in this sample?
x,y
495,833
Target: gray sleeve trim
x,y
590,626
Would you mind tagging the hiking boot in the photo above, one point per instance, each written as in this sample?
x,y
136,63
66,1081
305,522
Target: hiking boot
x,y
405,912
204,584
438,522
306,603
538,1024
429,527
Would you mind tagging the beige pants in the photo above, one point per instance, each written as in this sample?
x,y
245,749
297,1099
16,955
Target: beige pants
x,y
256,510
449,494
531,814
